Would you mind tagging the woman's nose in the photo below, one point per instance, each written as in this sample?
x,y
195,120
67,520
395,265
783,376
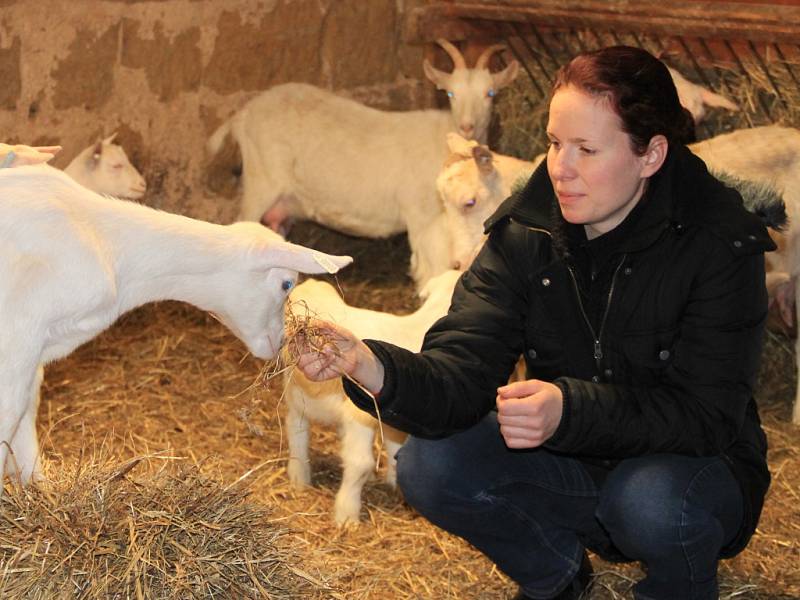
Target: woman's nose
x,y
561,166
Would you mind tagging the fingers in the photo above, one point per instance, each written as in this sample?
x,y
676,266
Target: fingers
x,y
523,431
520,389
319,365
320,350
529,421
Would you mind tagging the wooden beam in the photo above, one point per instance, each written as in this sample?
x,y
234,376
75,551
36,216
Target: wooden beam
x,y
459,19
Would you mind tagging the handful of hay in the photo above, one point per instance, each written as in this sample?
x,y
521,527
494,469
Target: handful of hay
x,y
175,534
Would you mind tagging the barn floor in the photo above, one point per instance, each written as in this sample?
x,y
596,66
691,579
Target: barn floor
x,y
170,383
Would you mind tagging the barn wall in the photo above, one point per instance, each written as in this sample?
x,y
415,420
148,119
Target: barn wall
x,y
165,73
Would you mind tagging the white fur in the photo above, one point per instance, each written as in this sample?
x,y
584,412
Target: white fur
x,y
326,402
310,154
72,261
695,97
104,168
471,188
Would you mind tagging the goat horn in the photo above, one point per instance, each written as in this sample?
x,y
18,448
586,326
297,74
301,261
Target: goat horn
x,y
483,59
455,54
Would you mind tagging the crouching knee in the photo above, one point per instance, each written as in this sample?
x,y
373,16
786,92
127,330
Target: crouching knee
x,y
652,506
427,474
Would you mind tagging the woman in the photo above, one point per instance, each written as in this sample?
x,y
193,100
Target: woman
x,y
633,283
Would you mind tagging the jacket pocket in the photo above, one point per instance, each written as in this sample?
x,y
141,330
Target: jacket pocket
x,y
544,354
648,354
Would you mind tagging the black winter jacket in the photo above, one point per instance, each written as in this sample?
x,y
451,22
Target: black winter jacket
x,y
670,366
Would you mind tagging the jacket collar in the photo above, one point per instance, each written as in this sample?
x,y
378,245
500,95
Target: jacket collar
x,y
682,194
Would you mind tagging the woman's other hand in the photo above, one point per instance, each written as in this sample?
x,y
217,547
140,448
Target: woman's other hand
x,y
529,412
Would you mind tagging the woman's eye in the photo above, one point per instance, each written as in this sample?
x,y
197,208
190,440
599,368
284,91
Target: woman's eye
x,y
287,285
588,150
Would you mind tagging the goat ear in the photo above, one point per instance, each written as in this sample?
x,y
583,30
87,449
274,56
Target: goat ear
x,y
305,260
502,78
110,138
459,144
713,99
484,159
93,159
439,78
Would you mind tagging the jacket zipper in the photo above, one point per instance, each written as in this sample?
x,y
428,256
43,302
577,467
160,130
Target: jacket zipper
x,y
598,348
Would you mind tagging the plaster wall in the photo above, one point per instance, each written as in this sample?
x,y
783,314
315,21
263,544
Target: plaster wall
x,y
165,73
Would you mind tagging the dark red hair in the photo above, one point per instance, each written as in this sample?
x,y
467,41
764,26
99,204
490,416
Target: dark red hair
x,y
639,90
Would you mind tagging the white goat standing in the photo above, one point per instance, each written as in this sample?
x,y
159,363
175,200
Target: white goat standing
x,y
72,261
695,97
471,190
104,168
325,402
309,153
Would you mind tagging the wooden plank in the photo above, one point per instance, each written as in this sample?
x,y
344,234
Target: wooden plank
x,y
459,19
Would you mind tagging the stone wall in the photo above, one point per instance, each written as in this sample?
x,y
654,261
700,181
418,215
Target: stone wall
x,y
165,73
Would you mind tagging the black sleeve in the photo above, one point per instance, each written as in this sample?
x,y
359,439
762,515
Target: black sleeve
x,y
452,384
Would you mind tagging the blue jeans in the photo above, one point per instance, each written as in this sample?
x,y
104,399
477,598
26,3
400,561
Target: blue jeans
x,y
533,512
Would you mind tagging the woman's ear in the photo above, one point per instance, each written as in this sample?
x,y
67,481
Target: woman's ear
x,y
655,155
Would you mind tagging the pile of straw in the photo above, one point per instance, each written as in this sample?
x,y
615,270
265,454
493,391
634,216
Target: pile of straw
x,y
98,531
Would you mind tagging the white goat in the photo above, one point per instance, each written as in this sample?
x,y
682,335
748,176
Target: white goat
x,y
471,190
72,261
308,153
104,168
695,97
325,402
471,186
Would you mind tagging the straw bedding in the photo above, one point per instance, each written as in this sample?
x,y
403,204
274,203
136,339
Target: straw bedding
x,y
165,455
166,465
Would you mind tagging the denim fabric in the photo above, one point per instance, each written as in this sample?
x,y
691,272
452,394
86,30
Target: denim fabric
x,y
533,512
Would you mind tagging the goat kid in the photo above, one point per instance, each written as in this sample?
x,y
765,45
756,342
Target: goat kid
x,y
325,402
72,261
104,168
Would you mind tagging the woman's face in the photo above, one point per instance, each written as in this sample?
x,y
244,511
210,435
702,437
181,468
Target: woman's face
x,y
596,175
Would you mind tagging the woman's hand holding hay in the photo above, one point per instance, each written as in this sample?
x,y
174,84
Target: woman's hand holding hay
x,y
325,350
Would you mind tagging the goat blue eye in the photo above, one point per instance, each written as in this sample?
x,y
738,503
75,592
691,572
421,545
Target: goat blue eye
x,y
287,285
490,93
450,94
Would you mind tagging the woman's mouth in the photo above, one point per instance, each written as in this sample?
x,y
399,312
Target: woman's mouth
x,y
568,197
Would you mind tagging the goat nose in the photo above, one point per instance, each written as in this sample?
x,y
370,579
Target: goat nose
x,y
467,129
